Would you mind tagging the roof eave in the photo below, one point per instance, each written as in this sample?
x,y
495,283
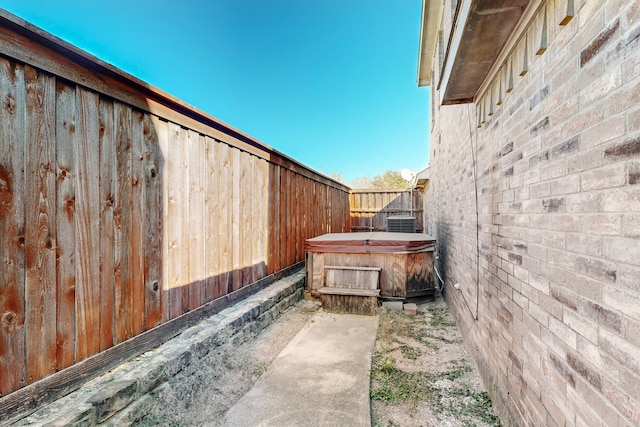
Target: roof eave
x,y
429,28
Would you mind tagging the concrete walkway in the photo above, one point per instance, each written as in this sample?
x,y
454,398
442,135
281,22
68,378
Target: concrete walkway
x,y
320,379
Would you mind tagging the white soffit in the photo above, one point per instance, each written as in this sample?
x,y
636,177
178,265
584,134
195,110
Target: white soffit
x,y
429,27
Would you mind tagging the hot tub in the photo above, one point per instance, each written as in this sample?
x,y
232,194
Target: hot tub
x,y
404,260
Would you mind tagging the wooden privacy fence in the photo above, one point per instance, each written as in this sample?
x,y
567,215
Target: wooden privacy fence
x,y
122,208
371,208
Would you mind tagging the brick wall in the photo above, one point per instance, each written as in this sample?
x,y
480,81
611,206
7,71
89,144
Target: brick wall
x,y
548,257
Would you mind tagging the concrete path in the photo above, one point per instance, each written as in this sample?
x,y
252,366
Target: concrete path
x,y
320,379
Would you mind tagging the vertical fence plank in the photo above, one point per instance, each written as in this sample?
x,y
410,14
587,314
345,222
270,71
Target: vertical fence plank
x,y
87,204
209,174
173,223
162,132
217,211
185,168
226,210
264,219
254,202
236,219
66,172
193,223
245,195
40,205
122,223
284,231
297,211
274,220
107,231
137,218
152,223
12,239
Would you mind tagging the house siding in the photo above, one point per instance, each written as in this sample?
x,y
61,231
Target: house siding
x,y
536,211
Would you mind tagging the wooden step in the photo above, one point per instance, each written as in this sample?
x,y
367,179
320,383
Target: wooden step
x,y
350,291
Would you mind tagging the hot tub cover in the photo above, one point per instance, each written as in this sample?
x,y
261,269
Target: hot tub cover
x,y
375,242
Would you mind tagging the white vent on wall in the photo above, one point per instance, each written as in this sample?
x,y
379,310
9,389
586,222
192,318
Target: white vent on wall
x,y
401,224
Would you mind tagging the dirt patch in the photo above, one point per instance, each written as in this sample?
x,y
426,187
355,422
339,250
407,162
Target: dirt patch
x,y
203,392
422,375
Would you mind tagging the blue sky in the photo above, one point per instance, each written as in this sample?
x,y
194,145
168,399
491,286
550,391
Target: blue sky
x,y
331,83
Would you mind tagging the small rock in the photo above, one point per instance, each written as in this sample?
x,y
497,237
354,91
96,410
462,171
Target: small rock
x,y
392,305
411,309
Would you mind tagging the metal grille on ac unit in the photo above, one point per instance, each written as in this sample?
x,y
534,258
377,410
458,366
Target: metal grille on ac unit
x,y
401,224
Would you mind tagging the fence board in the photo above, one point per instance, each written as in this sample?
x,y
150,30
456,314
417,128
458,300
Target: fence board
x,y
245,182
254,235
107,229
212,260
297,217
162,132
66,171
276,223
226,232
235,219
12,239
175,218
122,224
87,205
152,223
265,222
40,223
137,230
194,223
